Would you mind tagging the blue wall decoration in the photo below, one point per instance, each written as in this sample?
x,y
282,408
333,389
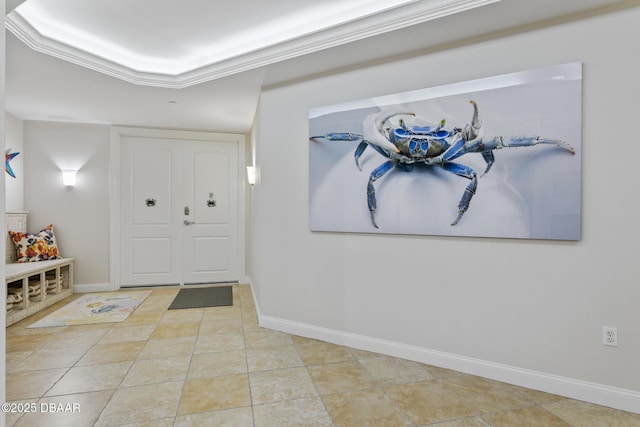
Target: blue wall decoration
x,y
7,158
493,157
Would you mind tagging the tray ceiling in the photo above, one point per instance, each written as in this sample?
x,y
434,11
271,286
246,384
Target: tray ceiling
x,y
179,44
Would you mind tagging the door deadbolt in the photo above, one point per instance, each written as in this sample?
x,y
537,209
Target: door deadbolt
x,y
186,210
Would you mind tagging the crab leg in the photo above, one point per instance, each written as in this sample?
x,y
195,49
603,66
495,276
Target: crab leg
x,y
489,158
359,150
364,144
339,136
371,191
455,150
487,146
466,172
498,142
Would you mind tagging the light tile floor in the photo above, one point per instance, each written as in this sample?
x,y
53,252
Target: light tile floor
x,y
217,367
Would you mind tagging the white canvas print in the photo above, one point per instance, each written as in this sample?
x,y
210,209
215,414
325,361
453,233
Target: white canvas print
x,y
493,157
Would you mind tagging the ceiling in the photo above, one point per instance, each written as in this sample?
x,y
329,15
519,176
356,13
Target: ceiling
x,y
202,65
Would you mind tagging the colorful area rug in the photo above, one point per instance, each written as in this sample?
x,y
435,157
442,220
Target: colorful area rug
x,y
102,307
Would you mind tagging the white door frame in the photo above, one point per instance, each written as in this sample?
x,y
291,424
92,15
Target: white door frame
x,y
116,133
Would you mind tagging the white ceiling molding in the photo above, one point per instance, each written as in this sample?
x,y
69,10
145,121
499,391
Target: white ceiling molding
x,y
252,57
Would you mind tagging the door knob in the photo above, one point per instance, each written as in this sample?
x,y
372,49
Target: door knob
x,y
187,222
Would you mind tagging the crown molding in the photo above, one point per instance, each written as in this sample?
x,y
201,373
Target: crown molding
x,y
400,17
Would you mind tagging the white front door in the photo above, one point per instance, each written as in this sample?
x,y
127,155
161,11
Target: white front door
x,y
210,212
179,211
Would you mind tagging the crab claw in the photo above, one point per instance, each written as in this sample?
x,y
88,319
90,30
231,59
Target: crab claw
x,y
373,129
472,130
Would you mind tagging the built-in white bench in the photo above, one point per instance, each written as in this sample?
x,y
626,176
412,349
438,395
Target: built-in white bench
x,y
40,284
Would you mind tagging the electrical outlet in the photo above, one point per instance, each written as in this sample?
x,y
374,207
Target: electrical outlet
x,y
610,336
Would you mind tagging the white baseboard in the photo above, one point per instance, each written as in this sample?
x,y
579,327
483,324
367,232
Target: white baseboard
x,y
626,400
81,288
253,294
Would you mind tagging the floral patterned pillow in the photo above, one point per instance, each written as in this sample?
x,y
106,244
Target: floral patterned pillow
x,y
32,247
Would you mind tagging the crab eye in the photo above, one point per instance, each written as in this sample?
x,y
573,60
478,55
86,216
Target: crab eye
x,y
442,133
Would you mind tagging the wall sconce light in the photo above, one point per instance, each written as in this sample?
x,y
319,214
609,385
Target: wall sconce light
x,y
69,178
251,175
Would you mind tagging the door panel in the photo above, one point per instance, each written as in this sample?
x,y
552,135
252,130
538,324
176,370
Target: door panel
x,y
211,254
151,256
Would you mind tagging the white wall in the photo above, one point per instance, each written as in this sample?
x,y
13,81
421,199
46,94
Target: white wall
x,y
14,187
3,297
523,311
80,215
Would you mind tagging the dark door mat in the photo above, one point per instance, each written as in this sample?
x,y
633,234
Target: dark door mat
x,y
215,296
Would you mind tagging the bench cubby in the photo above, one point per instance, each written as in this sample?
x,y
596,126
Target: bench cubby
x,y
33,286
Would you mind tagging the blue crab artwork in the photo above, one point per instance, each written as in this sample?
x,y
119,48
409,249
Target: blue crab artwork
x,y
404,146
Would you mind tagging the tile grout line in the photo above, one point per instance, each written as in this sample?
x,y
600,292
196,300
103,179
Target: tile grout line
x,y
125,374
246,361
186,378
